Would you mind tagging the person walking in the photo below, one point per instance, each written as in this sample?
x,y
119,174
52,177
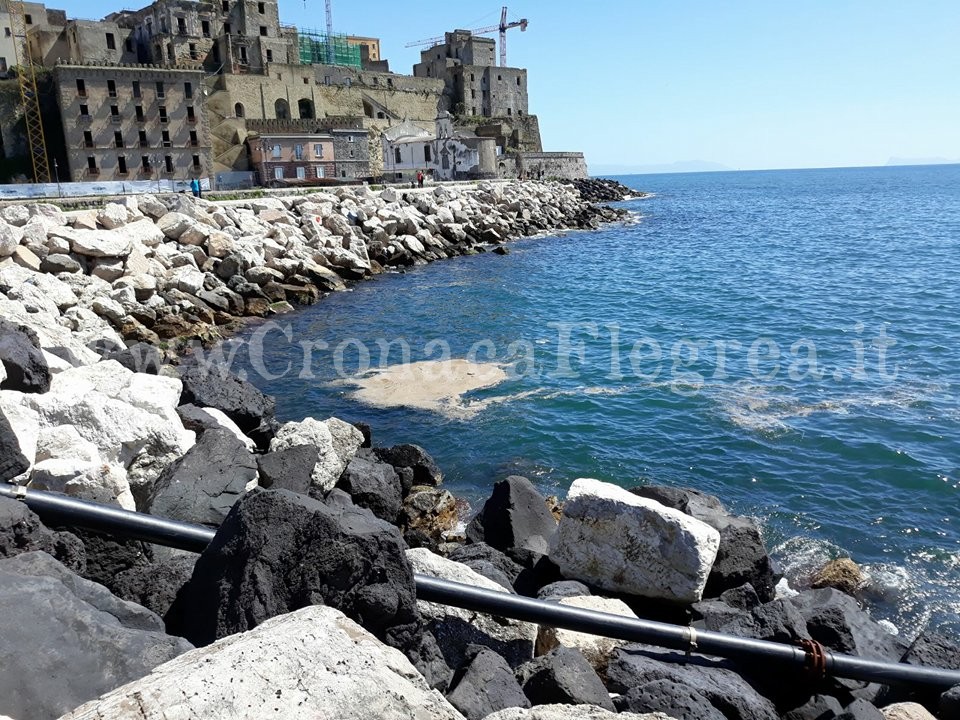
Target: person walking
x,y
195,187
420,178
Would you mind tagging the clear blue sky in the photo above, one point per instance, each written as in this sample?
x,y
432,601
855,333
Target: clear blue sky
x,y
744,83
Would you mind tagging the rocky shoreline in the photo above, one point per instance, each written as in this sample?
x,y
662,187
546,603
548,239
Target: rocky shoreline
x,y
304,603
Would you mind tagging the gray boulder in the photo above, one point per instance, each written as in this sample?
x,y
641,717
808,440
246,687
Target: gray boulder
x,y
636,665
289,469
12,461
950,704
250,409
424,470
374,485
556,591
139,358
66,640
26,368
278,551
485,685
515,517
154,585
563,676
671,697
21,531
489,562
860,710
819,707
204,484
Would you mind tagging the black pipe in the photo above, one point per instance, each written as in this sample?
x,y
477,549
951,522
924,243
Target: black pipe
x,y
62,510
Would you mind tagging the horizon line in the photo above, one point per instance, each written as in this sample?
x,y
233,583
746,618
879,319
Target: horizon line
x,y
778,169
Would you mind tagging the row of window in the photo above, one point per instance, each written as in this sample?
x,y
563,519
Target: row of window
x,y
141,141
145,164
318,172
135,86
138,112
427,154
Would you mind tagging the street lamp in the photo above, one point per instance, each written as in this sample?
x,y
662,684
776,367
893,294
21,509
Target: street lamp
x,y
56,175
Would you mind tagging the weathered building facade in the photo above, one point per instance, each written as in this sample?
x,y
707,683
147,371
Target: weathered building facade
x,y
292,159
133,122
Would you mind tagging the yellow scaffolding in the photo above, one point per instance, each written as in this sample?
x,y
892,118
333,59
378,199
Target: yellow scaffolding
x,y
29,97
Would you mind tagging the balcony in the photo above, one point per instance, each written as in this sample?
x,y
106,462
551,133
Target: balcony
x,y
84,119
116,119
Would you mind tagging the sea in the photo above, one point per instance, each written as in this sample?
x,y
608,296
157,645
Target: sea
x,y
786,340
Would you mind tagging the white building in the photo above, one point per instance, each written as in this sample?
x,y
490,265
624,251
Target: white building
x,y
445,154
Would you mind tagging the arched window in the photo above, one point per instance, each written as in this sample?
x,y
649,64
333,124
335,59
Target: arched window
x,y
238,110
396,155
282,109
305,108
367,109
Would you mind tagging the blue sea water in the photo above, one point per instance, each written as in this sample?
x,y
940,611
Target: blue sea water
x,y
786,340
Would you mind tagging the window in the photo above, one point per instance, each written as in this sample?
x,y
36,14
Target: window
x,y
226,6
351,152
193,51
165,138
318,171
136,88
159,89
28,19
182,25
6,32
145,162
81,89
389,82
118,138
301,173
139,110
170,55
142,138
269,55
163,114
343,173
128,45
426,153
471,77
518,82
276,151
87,138
349,138
499,77
226,28
168,163
278,173
92,165
318,150
196,162
238,110
121,165
473,93
205,28
188,90
193,138
298,152
191,117
396,155
111,42
263,31
111,88
261,8
114,111
509,112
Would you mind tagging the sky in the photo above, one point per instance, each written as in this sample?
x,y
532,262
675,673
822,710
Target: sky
x,y
746,84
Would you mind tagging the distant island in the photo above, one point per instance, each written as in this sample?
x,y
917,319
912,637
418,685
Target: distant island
x,y
922,161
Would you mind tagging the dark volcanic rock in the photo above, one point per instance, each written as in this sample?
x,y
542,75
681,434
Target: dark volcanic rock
x,y
250,409
373,485
777,621
669,697
931,649
425,470
563,676
489,562
154,585
289,469
741,557
819,707
635,665
21,531
141,358
27,369
860,710
950,704
278,551
204,484
12,461
109,555
427,657
65,640
514,518
485,685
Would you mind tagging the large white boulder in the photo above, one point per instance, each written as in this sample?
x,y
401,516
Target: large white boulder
x,y
10,236
312,663
63,442
94,243
335,441
89,480
618,541
455,628
143,231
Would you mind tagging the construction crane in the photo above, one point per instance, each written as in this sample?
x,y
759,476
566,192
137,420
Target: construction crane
x,y
502,27
29,97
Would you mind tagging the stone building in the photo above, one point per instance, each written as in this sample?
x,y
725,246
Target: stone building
x,y
133,122
351,153
37,17
292,159
473,83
